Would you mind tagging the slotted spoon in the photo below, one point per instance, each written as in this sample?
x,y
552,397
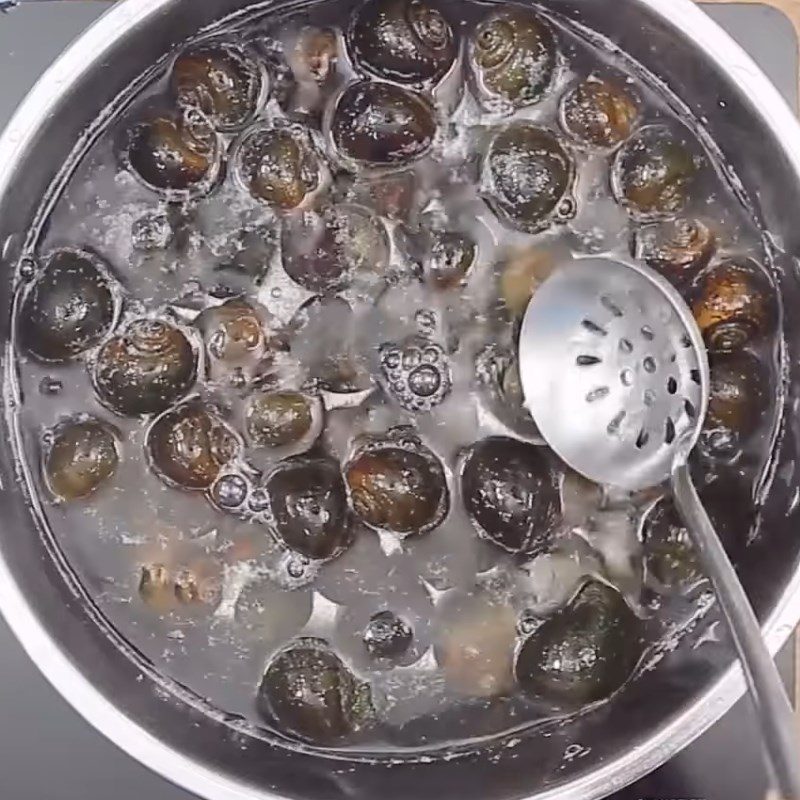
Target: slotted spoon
x,y
615,374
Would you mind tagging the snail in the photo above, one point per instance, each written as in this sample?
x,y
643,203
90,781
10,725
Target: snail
x,y
583,653
653,173
528,176
397,488
510,492
145,369
222,81
514,57
408,41
734,304
70,307
82,455
309,692
189,445
377,124
599,112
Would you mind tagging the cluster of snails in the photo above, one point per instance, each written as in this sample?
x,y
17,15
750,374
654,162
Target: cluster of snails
x,y
331,169
147,367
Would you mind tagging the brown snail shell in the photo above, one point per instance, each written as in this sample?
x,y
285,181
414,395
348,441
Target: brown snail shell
x,y
599,112
189,445
277,166
528,176
308,507
222,81
514,56
396,488
510,492
69,308
177,153
377,124
326,252
653,173
738,399
308,692
82,456
408,41
679,249
734,304
146,369
283,419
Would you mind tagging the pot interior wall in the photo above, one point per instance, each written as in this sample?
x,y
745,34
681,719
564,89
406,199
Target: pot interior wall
x,y
536,762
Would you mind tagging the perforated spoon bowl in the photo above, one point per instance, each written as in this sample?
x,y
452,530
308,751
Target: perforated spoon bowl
x,y
615,374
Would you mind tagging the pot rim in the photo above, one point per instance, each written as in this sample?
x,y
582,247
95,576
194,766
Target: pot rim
x,y
191,774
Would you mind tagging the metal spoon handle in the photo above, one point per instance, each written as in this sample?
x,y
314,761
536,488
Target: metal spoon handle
x,y
766,688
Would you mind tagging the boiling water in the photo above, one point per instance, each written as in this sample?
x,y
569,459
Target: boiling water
x,y
446,583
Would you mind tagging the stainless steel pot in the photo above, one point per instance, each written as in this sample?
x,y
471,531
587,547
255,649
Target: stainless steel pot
x,y
166,728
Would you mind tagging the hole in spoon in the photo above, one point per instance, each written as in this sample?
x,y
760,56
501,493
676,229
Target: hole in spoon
x,y
691,412
597,394
614,425
587,361
669,431
642,439
593,327
611,306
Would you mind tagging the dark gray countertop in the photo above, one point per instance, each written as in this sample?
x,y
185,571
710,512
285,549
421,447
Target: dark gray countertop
x,y
48,753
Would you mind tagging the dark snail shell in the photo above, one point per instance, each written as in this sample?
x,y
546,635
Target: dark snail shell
x,y
398,489
407,41
599,112
221,81
281,418
584,653
653,173
514,56
70,307
325,252
510,491
189,445
679,249
308,506
145,369
382,125
738,400
308,692
528,176
277,166
174,153
734,304
670,557
83,455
